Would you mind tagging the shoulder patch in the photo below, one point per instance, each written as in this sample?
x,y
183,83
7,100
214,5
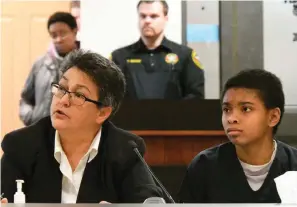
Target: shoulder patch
x,y
196,60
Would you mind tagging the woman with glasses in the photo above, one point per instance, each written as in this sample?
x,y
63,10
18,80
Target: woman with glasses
x,y
76,155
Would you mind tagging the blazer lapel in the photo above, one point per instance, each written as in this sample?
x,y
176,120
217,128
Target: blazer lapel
x,y
89,191
97,183
46,180
53,175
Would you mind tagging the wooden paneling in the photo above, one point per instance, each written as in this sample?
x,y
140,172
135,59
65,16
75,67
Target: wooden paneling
x,y
177,147
24,37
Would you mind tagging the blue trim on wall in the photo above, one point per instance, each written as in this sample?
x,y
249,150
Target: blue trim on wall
x,y
202,33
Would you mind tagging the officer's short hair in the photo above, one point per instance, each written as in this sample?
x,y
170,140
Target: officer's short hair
x,y
163,2
63,17
268,86
106,75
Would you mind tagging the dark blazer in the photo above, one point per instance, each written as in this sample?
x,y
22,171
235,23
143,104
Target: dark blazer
x,y
115,175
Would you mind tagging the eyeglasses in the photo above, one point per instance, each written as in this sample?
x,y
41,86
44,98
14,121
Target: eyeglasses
x,y
75,98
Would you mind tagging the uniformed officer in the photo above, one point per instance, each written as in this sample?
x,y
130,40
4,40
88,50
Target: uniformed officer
x,y
155,67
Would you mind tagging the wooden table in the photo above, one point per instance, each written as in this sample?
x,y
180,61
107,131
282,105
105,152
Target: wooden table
x,y
177,147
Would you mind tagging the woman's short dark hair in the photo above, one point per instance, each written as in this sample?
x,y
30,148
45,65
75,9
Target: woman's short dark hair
x,y
106,75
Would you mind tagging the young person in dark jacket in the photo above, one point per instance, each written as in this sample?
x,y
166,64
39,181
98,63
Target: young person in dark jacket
x,y
243,170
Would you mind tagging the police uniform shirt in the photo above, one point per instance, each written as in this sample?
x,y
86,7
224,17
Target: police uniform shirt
x,y
171,71
216,176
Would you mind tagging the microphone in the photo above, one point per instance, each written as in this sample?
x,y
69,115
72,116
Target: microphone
x,y
134,146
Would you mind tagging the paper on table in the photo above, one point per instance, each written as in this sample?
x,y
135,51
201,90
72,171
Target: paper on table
x,y
286,186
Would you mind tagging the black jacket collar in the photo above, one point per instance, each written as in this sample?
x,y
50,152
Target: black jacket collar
x,y
139,46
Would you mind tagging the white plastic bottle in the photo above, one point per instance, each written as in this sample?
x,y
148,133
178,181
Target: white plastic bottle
x,y
19,196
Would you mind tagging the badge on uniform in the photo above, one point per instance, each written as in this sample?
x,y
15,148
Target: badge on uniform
x,y
171,58
133,60
196,60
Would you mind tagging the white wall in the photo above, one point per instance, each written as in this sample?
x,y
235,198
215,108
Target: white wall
x,y
109,24
280,52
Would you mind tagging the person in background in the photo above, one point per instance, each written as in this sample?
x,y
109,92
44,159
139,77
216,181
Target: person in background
x,y
243,170
36,94
155,67
77,155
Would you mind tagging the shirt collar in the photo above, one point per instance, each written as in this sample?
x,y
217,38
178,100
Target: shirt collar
x,y
92,152
259,167
140,46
